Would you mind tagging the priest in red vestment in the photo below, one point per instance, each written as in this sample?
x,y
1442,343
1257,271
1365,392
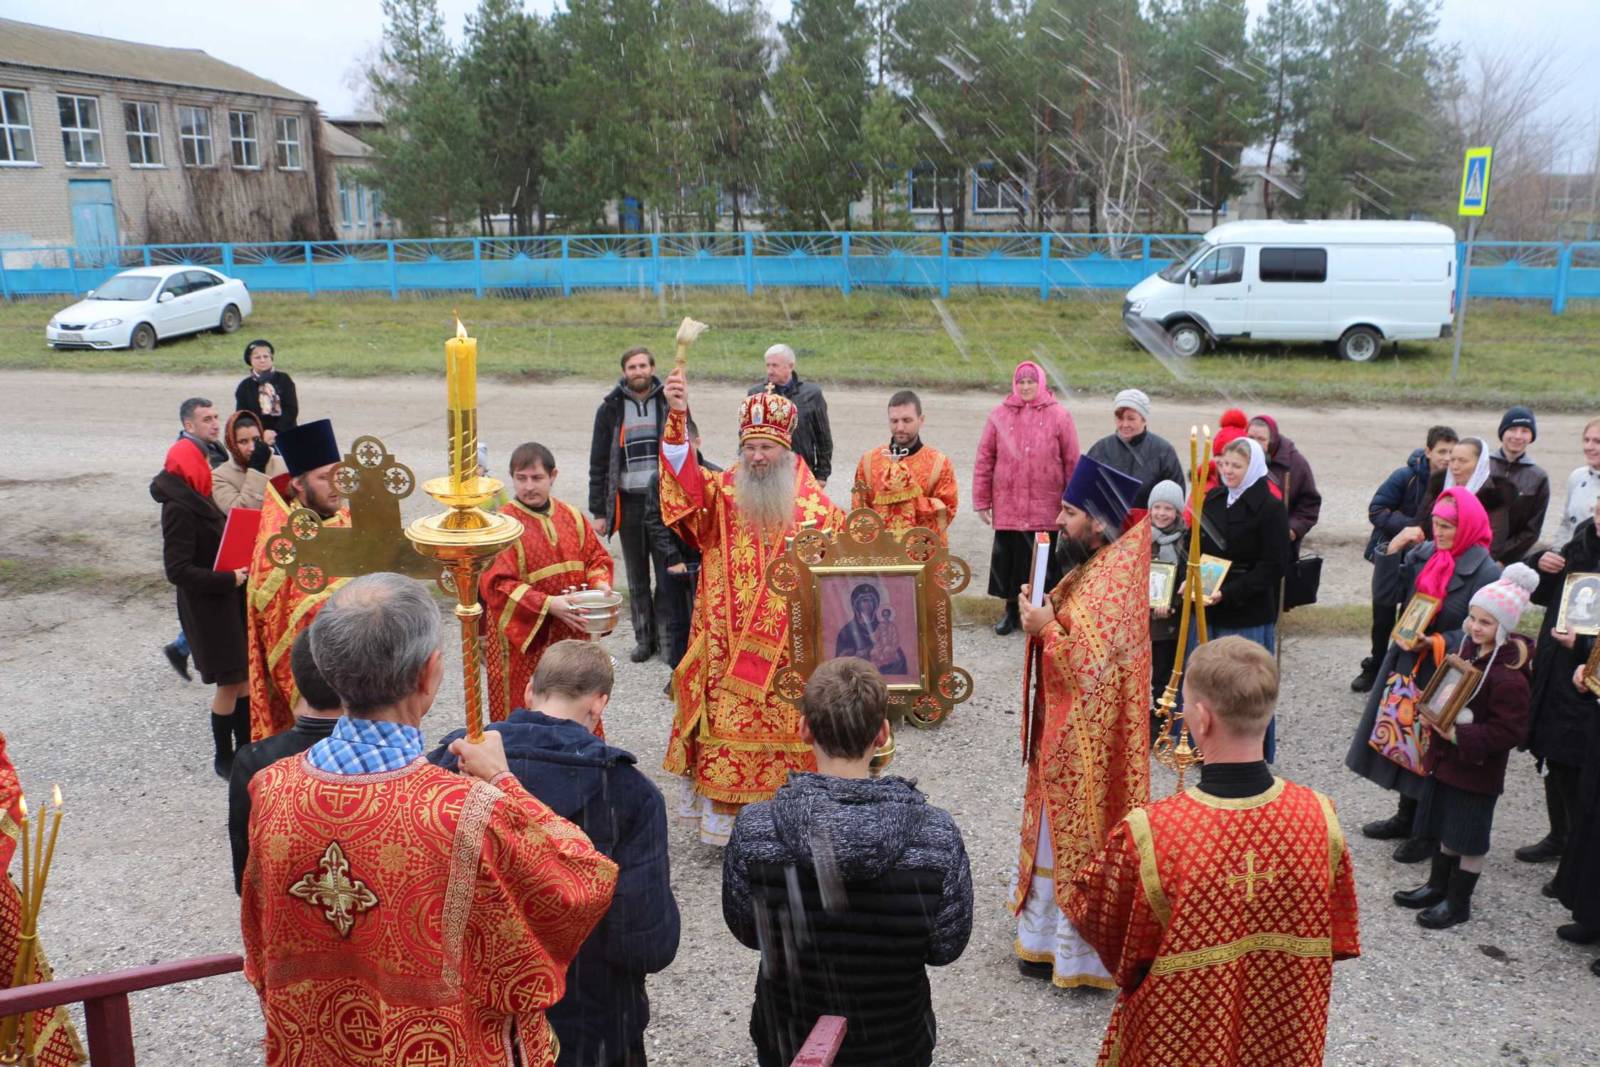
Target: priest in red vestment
x,y
1219,911
524,609
276,609
55,1042
733,740
394,912
1086,737
907,482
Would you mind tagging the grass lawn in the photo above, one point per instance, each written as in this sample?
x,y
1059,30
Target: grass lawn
x,y
1514,351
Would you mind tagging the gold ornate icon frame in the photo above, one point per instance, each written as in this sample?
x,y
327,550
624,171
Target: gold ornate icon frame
x,y
866,550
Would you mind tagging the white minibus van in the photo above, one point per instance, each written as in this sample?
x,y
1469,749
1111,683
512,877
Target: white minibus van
x,y
1357,283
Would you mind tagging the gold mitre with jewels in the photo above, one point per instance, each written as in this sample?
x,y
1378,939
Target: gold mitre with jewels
x,y
766,415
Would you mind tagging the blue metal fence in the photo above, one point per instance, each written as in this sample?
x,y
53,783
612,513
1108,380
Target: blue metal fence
x,y
1042,262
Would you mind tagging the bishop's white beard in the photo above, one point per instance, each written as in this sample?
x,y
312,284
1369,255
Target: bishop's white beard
x,y
765,498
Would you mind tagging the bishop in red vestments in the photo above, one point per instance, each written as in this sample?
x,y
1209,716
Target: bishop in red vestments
x,y
1219,911
55,1042
524,609
1086,737
733,739
394,912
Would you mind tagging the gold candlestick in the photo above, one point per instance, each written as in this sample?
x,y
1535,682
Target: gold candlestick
x,y
1174,748
464,537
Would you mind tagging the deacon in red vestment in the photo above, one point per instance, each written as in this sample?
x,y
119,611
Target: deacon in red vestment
x,y
276,609
394,912
1086,738
733,740
908,483
1220,911
55,1042
524,611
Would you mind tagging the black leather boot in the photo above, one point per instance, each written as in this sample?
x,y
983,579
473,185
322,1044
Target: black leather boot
x,y
241,723
222,743
1432,891
1395,826
1456,907
1009,621
1367,678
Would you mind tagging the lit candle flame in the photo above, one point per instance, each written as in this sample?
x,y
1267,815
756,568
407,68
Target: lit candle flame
x,y
55,794
1207,429
22,803
461,330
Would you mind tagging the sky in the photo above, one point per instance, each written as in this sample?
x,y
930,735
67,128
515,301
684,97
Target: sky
x,y
312,46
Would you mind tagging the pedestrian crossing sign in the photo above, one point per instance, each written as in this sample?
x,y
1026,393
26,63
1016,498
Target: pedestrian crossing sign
x,y
1475,182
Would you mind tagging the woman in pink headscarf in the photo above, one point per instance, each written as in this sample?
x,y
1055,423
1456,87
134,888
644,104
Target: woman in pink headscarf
x,y
1025,458
1452,566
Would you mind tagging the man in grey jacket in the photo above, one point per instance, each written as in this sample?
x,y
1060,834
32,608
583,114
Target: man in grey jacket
x,y
1134,450
813,437
849,885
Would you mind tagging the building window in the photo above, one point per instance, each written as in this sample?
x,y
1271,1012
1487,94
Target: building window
x,y
361,205
288,127
144,134
242,140
932,190
376,205
16,130
80,130
991,191
194,136
1294,264
344,202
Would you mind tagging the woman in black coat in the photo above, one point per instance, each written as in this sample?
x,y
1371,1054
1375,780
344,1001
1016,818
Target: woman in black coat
x,y
210,606
1474,569
1243,522
1561,714
267,392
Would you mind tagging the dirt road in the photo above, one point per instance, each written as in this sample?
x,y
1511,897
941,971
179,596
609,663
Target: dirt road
x,y
143,875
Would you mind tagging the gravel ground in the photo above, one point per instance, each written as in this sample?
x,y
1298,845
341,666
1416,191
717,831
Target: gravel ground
x,y
142,873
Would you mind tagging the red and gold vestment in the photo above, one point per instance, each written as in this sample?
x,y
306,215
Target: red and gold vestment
x,y
557,551
1087,737
276,610
919,490
732,735
55,1042
1220,920
411,917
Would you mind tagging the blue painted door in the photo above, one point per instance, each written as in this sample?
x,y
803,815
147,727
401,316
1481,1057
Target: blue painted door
x,y
94,221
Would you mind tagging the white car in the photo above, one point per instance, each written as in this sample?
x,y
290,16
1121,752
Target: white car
x,y
139,307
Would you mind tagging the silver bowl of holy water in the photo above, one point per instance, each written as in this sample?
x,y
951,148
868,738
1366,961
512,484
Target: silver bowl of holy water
x,y
597,609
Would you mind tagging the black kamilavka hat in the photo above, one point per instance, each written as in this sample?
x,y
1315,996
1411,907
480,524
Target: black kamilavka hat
x,y
308,446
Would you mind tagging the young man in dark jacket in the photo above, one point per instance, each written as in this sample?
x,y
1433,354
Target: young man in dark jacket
x,y
682,565
880,875
622,460
554,753
813,436
1528,483
1394,507
314,715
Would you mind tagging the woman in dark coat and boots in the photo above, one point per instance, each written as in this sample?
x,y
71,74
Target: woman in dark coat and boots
x,y
1452,567
1466,763
1578,877
1291,472
210,603
1561,714
1245,524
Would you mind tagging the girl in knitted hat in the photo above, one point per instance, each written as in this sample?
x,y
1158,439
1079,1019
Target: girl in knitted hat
x,y
1169,543
1466,764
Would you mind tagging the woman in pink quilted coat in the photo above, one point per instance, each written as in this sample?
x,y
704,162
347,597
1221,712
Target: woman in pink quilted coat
x,y
1025,458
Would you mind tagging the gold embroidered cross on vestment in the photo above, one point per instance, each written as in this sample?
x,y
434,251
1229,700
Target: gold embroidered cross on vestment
x,y
1251,876
331,888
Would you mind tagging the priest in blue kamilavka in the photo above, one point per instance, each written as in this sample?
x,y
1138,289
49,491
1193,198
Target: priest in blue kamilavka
x,y
1086,714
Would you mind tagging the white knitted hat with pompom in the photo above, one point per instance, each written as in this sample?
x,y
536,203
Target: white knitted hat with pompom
x,y
1508,597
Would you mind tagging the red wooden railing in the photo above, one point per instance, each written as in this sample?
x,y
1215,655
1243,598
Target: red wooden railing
x,y
105,1000
822,1044
110,1026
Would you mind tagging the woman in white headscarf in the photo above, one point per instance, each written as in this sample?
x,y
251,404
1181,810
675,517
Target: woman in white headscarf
x,y
1469,469
1245,523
